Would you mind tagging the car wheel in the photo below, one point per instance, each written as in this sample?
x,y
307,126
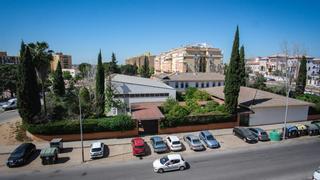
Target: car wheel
x,y
160,170
181,168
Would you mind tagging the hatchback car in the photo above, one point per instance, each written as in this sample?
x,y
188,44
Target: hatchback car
x,y
158,144
193,142
21,154
174,143
138,146
313,130
316,174
209,139
97,150
261,134
245,134
169,163
11,104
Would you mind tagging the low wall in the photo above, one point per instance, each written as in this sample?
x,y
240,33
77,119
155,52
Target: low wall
x,y
86,136
314,117
201,127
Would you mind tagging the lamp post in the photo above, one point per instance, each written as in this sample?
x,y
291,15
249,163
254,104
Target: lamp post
x,y
81,133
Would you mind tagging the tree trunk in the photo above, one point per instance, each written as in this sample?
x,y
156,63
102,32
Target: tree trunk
x,y
44,100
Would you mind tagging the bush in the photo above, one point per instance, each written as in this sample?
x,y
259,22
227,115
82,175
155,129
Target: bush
x,y
168,105
194,93
116,123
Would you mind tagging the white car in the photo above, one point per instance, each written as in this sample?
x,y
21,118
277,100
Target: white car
x,y
11,104
169,163
316,174
97,150
174,143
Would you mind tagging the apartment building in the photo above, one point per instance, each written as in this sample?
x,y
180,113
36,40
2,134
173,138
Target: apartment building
x,y
139,60
190,59
65,61
5,59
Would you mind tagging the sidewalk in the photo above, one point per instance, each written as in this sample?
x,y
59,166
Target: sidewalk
x,y
6,149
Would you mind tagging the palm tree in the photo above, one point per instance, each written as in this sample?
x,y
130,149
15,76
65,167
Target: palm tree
x,y
42,57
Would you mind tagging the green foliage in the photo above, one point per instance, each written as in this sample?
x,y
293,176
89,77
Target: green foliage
x,y
129,69
110,100
113,67
259,82
302,77
192,105
189,92
232,78
8,78
58,82
201,95
144,70
180,96
309,98
116,123
100,96
66,75
56,107
28,90
242,69
168,105
84,69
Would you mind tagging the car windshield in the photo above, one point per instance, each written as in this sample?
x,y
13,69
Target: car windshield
x,y
264,133
139,147
164,160
210,137
176,142
160,143
196,141
96,149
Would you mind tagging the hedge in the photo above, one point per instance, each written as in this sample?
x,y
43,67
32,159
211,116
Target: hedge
x,y
116,123
196,120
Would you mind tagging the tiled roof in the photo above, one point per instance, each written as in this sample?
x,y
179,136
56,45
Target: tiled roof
x,y
145,111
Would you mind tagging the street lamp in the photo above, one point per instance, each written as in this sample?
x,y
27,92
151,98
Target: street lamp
x,y
81,133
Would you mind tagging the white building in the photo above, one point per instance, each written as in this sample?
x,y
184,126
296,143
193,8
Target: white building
x,y
182,81
132,89
265,107
71,71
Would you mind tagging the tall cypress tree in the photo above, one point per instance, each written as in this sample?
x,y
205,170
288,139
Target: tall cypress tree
x,y
29,104
100,96
58,81
232,83
113,64
242,68
145,70
302,77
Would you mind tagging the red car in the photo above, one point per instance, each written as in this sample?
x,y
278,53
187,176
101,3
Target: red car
x,y
138,147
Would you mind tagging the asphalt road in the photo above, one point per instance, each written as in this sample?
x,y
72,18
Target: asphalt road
x,y
6,116
292,161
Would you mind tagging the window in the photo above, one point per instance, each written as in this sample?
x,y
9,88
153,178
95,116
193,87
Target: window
x,y
207,84
213,84
177,85
187,84
218,83
182,85
202,85
197,85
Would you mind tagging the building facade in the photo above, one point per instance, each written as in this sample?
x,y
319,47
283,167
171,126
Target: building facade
x,y
139,60
65,61
190,59
5,59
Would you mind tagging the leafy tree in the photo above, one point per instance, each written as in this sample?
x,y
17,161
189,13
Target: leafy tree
x,y
58,82
232,81
42,57
8,78
194,93
66,75
144,70
192,105
259,82
168,105
84,69
189,92
302,77
128,69
113,67
110,100
28,91
242,69
100,96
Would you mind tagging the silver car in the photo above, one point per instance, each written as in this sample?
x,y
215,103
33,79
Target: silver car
x,y
169,163
193,142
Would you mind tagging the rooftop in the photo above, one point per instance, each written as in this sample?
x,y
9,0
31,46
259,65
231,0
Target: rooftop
x,y
250,97
191,77
145,111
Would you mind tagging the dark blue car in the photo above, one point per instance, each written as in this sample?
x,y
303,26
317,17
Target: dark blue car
x,y
209,139
291,131
158,144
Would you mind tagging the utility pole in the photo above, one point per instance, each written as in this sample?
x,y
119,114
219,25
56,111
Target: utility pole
x,y
287,97
81,133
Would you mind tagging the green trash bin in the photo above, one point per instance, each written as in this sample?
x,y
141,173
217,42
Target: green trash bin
x,y
275,135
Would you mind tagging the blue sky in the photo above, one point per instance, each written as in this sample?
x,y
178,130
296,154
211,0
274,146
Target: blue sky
x,y
132,27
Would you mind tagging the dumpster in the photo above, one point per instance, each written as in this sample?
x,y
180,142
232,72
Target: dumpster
x,y
302,129
57,143
49,155
275,135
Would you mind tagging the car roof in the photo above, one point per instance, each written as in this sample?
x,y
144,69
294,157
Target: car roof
x,y
138,141
174,156
259,129
157,138
192,136
206,133
174,138
96,145
22,147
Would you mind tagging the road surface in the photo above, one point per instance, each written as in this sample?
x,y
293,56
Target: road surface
x,y
292,161
6,116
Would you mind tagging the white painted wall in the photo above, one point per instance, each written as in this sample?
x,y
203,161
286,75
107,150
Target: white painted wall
x,y
193,84
276,115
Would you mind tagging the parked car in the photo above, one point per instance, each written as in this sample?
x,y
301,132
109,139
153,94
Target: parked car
x,y
261,134
317,123
313,129
21,154
11,104
193,142
209,139
316,174
174,143
158,144
245,134
138,146
291,131
97,150
302,129
169,163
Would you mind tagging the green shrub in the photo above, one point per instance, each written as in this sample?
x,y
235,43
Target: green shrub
x,y
168,105
116,123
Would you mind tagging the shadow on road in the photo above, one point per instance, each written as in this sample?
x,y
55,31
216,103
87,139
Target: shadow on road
x,y
62,160
106,151
66,150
